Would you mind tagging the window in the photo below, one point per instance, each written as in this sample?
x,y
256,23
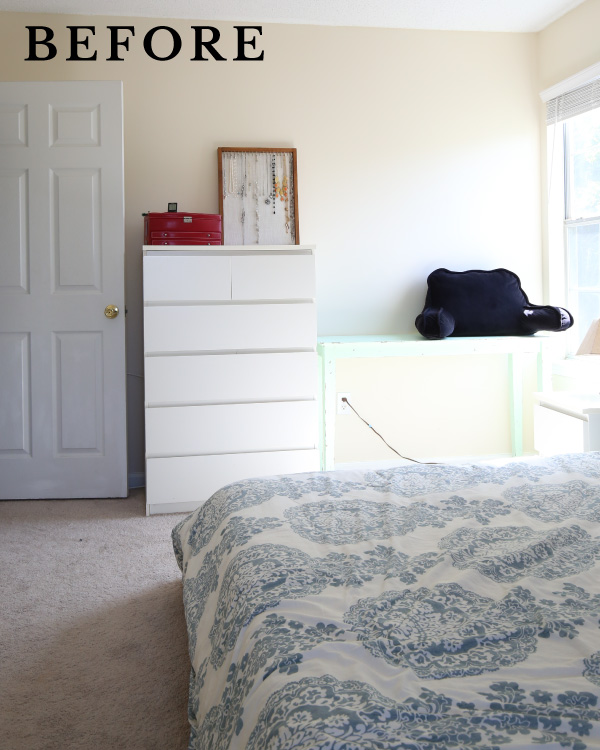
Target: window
x,y
582,218
573,119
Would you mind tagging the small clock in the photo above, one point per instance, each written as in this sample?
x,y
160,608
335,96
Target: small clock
x,y
172,208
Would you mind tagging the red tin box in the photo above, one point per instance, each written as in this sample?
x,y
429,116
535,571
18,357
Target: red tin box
x,y
182,229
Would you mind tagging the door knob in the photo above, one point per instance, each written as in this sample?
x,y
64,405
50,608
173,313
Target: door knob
x,y
111,311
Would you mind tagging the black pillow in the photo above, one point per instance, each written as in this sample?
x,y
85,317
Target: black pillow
x,y
484,303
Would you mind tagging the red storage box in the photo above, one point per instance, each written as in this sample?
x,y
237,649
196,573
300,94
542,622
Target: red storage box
x,y
182,229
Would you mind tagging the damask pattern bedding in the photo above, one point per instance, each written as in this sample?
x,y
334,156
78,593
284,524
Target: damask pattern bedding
x,y
419,607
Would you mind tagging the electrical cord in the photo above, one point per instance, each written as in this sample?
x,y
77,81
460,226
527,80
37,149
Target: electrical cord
x,y
406,458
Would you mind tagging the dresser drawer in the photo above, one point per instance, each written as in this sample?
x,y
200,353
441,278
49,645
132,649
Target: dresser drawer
x,y
555,432
273,277
231,377
201,236
230,428
204,328
191,480
179,278
184,242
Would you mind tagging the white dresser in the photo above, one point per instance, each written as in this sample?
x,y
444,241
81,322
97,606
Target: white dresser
x,y
230,368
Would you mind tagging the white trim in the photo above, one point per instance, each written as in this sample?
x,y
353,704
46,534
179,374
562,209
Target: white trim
x,y
169,508
587,220
391,463
573,82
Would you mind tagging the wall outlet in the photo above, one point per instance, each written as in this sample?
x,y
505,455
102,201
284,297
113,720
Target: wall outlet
x,y
342,406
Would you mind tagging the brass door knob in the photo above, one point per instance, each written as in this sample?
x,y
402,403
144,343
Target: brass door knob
x,y
111,311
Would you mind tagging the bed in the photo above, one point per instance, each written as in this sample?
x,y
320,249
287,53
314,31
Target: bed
x,y
421,607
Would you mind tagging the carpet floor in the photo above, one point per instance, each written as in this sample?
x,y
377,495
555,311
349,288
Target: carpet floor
x,y
93,644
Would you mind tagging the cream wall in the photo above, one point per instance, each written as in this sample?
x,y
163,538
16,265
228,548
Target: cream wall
x,y
416,150
570,44
461,408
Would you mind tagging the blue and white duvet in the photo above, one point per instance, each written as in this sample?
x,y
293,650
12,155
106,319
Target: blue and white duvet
x,y
422,607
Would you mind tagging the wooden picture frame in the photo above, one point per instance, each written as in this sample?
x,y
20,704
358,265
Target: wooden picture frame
x,y
258,195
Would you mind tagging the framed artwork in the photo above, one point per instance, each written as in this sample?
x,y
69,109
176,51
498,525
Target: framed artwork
x,y
258,196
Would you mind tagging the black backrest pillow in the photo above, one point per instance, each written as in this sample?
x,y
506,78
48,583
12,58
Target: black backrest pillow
x,y
484,303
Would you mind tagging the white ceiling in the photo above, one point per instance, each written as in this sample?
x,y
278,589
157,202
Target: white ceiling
x,y
462,15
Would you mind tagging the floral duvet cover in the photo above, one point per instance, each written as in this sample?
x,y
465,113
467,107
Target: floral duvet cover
x,y
420,607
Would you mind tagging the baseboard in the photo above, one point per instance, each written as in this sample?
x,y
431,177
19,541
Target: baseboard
x,y
136,479
162,508
390,463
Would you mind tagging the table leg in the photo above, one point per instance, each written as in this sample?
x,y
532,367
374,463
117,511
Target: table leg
x,y
515,374
328,410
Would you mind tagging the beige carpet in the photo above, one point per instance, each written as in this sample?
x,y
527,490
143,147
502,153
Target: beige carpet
x,y
93,646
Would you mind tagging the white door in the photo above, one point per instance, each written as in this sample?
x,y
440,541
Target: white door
x,y
62,361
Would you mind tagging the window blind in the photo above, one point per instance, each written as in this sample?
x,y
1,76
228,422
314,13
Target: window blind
x,y
573,103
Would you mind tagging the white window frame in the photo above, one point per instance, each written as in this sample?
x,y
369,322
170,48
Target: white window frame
x,y
556,265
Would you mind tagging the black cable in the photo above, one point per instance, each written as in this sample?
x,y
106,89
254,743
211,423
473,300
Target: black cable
x,y
406,458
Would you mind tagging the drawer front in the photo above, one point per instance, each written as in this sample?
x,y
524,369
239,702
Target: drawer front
x,y
196,328
204,236
185,242
187,278
273,277
231,377
230,428
182,224
555,432
193,479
